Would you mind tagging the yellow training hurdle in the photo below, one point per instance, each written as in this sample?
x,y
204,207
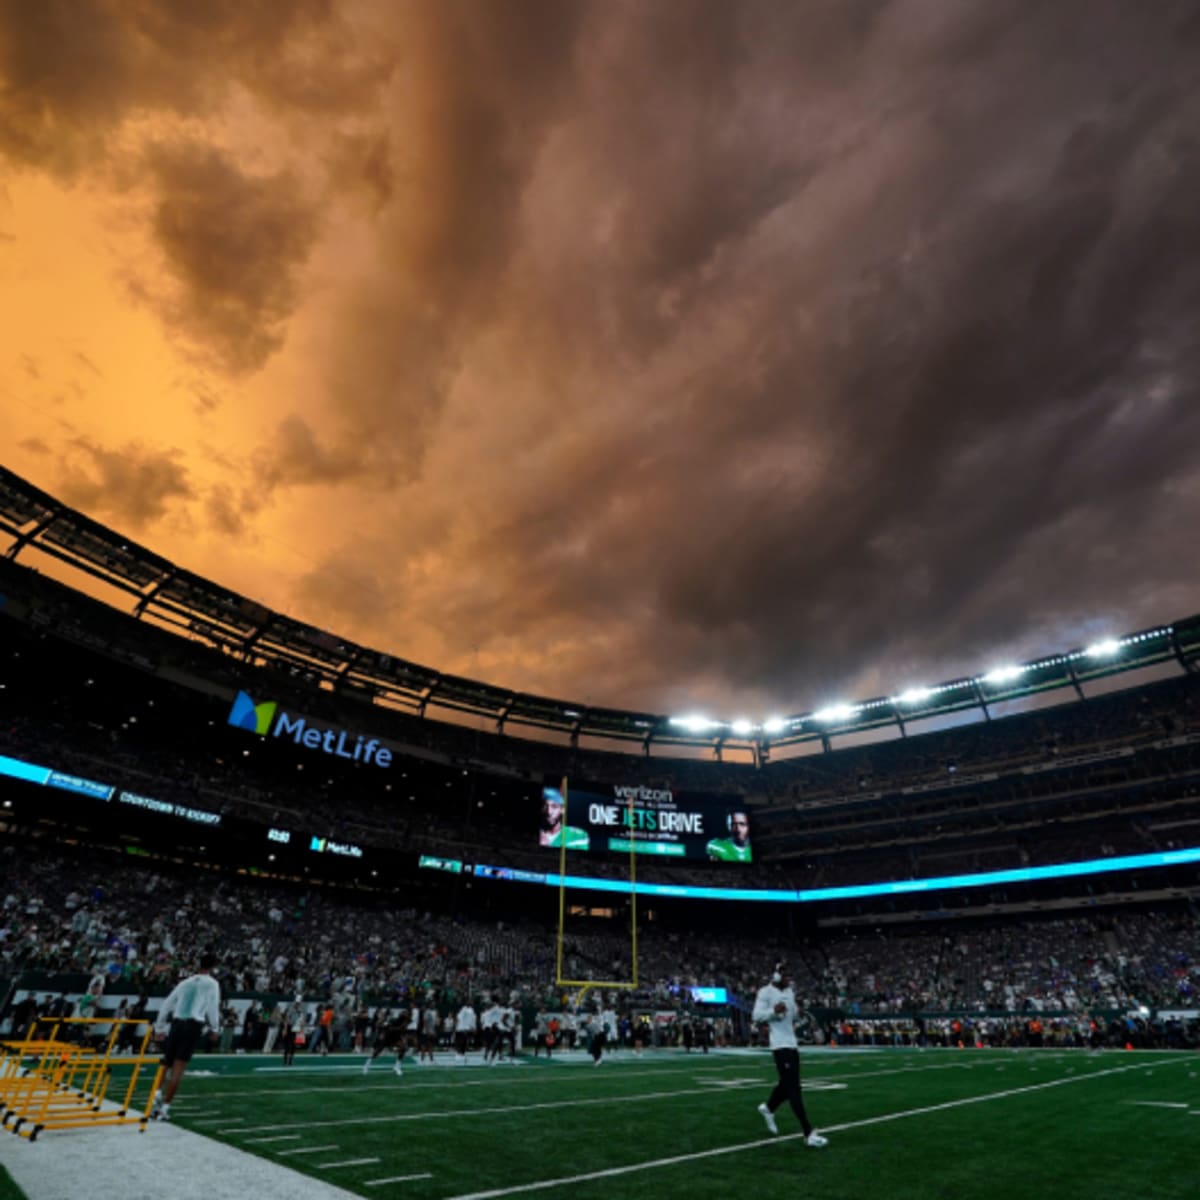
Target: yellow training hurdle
x,y
51,1082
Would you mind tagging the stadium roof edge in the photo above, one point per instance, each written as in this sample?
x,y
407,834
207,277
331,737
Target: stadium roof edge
x,y
199,609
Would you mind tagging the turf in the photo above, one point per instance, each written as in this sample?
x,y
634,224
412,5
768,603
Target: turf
x,y
8,1189
902,1124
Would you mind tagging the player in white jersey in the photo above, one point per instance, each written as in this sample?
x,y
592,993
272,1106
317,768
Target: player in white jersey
x,y
489,1024
429,1032
510,1022
192,1005
775,1007
464,1032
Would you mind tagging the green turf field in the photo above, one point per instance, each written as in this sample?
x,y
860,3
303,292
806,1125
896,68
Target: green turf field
x,y
8,1189
902,1125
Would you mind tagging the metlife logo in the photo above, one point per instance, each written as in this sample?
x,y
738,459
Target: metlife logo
x,y
329,846
267,719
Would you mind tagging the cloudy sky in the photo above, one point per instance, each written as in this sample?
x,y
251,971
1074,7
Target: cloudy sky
x,y
726,355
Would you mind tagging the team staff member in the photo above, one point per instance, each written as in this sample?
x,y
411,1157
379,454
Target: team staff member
x,y
775,1006
192,1004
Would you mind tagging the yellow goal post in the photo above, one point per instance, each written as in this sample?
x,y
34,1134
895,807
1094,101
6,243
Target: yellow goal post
x,y
584,984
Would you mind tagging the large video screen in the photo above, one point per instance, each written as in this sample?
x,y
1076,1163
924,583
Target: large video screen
x,y
619,818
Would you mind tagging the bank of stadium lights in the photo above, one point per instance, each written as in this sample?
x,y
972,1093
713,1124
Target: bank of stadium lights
x,y
739,728
696,724
1003,674
837,713
914,697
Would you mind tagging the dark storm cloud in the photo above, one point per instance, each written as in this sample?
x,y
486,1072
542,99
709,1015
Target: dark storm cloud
x,y
754,353
233,243
130,487
927,295
475,90
73,70
298,457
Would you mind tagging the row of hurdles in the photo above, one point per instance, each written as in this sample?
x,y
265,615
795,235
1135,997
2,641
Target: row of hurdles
x,y
59,1077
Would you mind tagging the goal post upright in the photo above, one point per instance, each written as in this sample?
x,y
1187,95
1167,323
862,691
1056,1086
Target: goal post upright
x,y
584,984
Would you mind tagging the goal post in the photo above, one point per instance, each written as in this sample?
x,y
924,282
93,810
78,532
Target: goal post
x,y
584,984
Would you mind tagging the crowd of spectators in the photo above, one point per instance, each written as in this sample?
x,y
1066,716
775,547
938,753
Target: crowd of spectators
x,y
1115,775
136,926
146,745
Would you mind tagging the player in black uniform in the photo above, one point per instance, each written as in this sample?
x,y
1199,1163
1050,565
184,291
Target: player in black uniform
x,y
391,1034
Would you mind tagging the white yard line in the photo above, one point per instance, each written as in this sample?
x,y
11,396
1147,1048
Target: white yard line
x,y
348,1162
308,1150
483,1112
1156,1103
450,1080
613,1172
278,1137
558,1104
768,1080
395,1179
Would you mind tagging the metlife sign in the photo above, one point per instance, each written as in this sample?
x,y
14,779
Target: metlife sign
x,y
267,719
329,846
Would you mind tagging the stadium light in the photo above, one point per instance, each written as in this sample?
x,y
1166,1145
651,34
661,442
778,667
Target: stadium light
x,y
917,695
774,725
1003,674
1104,649
742,727
837,712
694,723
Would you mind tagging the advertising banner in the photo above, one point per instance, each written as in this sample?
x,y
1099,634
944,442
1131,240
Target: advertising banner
x,y
620,818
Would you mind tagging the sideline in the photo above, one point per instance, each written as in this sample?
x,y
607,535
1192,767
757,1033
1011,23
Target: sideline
x,y
613,1172
166,1160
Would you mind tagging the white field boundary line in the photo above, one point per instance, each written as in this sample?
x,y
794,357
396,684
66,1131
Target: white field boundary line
x,y
453,1081
395,1118
586,1102
612,1172
510,1082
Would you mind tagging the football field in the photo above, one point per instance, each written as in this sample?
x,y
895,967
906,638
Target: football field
x,y
959,1125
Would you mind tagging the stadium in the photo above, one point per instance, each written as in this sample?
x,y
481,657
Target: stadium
x,y
984,892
